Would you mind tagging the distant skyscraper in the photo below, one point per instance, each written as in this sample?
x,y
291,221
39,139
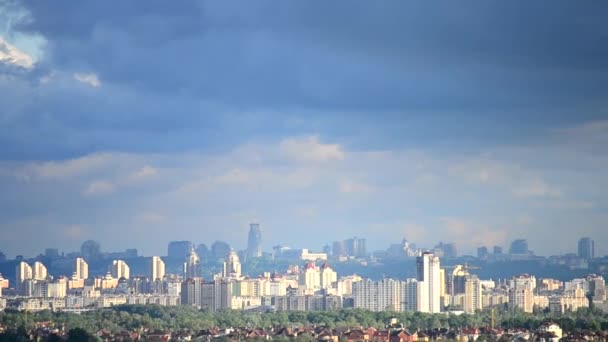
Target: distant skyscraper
x,y
192,264
39,271
428,271
353,247
586,248
178,250
203,252
519,246
338,249
90,250
119,269
81,269
232,266
219,250
482,252
51,253
157,268
446,250
254,241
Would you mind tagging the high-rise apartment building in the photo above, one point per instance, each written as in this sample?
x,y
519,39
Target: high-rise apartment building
x,y
192,265
119,269
4,283
473,299
212,296
22,273
455,280
310,279
157,268
81,269
254,241
415,298
383,295
191,291
595,287
39,271
327,276
57,288
586,248
428,271
390,294
232,266
521,292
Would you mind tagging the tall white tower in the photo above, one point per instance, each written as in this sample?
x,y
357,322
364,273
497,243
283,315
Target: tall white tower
x,y
39,271
23,272
430,274
120,269
81,269
157,271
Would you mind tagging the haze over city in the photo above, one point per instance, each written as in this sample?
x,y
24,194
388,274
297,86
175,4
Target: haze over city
x,y
138,123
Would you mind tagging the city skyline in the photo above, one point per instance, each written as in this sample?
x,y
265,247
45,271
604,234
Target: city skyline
x,y
181,250
314,287
137,124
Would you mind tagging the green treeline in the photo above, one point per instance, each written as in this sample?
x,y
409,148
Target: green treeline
x,y
152,317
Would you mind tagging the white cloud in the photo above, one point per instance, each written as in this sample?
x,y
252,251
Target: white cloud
x,y
202,192
64,169
536,188
98,188
311,150
150,217
90,79
11,55
145,172
74,232
234,176
350,187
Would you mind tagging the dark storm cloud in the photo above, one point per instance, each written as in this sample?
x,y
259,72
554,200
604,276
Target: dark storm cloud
x,y
422,70
393,55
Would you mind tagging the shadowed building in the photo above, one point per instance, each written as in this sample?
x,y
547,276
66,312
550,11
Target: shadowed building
x,y
586,248
178,250
254,242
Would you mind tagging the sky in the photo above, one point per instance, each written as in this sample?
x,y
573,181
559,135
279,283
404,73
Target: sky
x,y
137,123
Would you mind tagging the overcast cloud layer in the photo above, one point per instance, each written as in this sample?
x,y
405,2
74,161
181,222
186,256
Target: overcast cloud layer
x,y
136,123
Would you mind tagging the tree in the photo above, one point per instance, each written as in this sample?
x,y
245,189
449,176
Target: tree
x,y
79,335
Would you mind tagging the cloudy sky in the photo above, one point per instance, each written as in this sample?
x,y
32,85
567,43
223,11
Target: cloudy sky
x,y
136,123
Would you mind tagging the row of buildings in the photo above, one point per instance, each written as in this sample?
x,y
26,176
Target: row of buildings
x,y
310,288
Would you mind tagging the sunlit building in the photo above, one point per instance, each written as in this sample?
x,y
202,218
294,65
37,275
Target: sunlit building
x,y
119,269
39,271
81,269
428,271
157,268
